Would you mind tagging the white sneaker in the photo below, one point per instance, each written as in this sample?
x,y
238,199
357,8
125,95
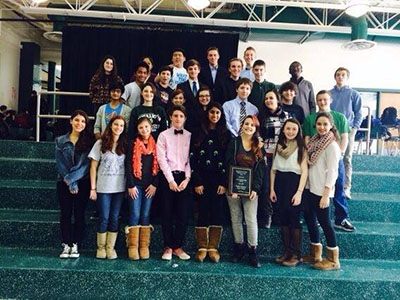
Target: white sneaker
x,y
66,251
347,193
74,251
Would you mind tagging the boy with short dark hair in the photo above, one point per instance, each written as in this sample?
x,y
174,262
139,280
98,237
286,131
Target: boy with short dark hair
x,y
133,89
173,157
305,91
260,85
237,109
179,74
192,85
288,91
114,108
227,89
164,91
213,74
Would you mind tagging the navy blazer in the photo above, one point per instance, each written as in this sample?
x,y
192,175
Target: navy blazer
x,y
206,78
187,90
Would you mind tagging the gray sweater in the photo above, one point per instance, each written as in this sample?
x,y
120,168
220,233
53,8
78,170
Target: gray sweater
x,y
100,124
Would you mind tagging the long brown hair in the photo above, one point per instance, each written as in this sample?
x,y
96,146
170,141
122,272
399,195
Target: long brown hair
x,y
255,139
107,141
299,139
330,118
86,137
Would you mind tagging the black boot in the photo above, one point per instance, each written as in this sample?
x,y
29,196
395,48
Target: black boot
x,y
238,252
253,257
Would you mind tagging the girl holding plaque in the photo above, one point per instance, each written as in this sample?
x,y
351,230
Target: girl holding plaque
x,y
210,180
323,159
245,153
288,178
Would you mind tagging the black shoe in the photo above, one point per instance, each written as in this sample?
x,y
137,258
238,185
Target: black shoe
x,y
238,252
253,257
345,225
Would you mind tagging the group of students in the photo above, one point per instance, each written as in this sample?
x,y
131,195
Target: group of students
x,y
208,129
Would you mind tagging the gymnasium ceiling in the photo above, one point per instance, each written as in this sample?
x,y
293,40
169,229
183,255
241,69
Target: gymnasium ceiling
x,y
286,20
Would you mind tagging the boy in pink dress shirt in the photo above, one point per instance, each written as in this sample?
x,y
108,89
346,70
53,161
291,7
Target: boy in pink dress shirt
x,y
173,157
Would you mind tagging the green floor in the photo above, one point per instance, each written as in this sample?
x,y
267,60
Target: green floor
x,y
29,247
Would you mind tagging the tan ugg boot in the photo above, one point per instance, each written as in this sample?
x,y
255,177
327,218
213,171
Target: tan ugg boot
x,y
132,241
202,243
315,254
287,254
110,244
144,241
331,262
101,245
296,238
215,234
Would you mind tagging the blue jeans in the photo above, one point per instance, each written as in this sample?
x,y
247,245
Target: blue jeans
x,y
108,207
339,200
139,208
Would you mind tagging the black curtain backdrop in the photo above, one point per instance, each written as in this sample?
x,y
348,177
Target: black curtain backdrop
x,y
84,47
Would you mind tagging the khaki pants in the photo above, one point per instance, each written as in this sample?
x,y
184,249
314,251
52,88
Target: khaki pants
x,y
348,155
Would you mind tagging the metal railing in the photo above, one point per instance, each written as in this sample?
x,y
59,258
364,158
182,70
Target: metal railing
x,y
367,130
40,116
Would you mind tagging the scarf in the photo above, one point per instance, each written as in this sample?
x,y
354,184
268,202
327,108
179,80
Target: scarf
x,y
290,147
317,145
140,149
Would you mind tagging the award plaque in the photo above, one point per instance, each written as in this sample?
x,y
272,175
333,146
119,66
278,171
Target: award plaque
x,y
240,180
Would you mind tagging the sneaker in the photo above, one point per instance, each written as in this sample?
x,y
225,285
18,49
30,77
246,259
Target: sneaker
x,y
347,193
181,254
66,251
167,255
345,225
74,251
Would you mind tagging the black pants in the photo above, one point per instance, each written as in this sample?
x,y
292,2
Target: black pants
x,y
311,213
175,204
210,203
286,185
265,207
73,205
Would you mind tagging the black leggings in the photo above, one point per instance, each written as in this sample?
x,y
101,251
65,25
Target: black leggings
x,y
210,203
286,185
311,213
75,205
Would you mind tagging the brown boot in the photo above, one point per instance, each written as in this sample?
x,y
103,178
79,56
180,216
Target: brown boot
x,y
287,254
101,245
296,240
110,244
144,241
132,241
315,254
202,242
331,262
213,244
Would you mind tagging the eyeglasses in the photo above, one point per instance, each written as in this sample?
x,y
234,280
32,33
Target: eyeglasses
x,y
204,96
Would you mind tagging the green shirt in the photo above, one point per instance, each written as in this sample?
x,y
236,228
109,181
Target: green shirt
x,y
258,92
341,124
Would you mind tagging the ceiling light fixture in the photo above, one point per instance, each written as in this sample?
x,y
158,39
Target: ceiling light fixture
x,y
38,1
199,4
357,8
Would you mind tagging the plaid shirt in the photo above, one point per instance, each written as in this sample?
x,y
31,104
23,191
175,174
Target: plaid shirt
x,y
98,91
270,128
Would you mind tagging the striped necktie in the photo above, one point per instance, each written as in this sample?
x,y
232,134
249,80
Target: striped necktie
x,y
242,115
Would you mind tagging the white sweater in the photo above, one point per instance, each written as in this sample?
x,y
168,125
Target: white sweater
x,y
325,171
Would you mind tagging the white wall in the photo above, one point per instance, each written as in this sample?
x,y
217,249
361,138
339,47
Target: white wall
x,y
378,67
9,67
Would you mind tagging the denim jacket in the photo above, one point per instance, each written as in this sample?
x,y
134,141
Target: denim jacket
x,y
70,170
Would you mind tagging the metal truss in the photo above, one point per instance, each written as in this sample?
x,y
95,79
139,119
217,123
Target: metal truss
x,y
323,16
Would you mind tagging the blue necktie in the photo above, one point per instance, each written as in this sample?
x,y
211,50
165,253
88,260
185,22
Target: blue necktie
x,y
194,88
